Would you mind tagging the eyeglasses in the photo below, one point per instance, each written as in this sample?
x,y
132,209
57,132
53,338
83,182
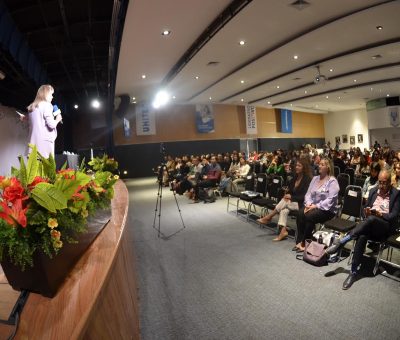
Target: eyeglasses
x,y
383,182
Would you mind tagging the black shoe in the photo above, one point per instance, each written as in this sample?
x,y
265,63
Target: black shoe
x,y
333,249
349,281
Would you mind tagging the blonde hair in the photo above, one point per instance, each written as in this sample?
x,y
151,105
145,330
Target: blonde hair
x,y
329,165
41,95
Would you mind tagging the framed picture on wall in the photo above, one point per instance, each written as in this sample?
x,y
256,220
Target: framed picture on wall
x,y
360,138
352,140
344,139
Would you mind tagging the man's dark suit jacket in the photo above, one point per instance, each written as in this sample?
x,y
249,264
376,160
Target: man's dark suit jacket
x,y
394,205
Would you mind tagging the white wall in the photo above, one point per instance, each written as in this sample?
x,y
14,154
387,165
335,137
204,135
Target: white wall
x,y
381,127
14,136
350,123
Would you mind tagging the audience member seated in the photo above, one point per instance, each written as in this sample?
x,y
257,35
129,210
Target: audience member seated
x,y
337,161
371,181
169,170
395,178
293,198
276,167
210,178
240,175
381,214
190,180
320,203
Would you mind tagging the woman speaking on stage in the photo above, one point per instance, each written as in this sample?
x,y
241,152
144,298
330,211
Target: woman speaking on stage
x,y
43,124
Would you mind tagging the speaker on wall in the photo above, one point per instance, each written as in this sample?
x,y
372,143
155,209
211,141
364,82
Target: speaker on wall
x,y
123,106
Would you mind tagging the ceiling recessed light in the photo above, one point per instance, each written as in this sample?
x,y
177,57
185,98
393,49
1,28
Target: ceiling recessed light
x,y
277,86
331,70
241,42
305,91
268,102
134,102
242,81
242,100
95,103
291,104
387,95
355,80
76,106
173,97
210,98
143,76
327,97
295,57
197,77
166,32
379,28
133,98
338,97
316,105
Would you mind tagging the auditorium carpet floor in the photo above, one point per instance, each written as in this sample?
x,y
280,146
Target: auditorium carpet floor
x,y
224,278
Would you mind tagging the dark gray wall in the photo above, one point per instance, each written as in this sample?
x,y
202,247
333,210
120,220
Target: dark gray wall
x,y
140,159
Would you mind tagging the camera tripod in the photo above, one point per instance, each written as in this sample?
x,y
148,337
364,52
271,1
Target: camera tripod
x,y
157,211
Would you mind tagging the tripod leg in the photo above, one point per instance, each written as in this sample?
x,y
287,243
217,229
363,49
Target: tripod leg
x,y
179,209
158,209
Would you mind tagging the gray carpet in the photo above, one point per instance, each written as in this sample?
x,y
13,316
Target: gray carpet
x,y
224,278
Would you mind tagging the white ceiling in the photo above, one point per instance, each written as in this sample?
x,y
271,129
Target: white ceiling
x,y
340,35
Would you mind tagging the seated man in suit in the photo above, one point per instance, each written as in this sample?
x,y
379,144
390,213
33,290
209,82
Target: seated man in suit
x,y
381,214
209,178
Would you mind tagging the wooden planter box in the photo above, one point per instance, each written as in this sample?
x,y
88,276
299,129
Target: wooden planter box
x,y
47,275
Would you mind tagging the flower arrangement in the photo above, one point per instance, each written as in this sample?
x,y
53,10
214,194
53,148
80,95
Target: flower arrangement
x,y
41,208
104,164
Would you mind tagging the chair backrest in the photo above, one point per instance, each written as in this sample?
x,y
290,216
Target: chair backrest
x,y
352,201
350,172
249,185
257,167
336,171
261,185
344,181
275,186
359,181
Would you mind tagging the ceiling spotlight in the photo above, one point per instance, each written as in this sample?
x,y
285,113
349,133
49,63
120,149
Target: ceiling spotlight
x,y
2,75
327,97
95,103
197,77
125,172
242,81
331,70
143,76
166,32
242,100
388,95
76,106
379,28
295,57
277,86
305,91
210,98
355,80
133,98
161,99
268,102
241,42
173,97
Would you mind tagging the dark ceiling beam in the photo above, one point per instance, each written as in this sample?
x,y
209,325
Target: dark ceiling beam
x,y
66,71
370,83
315,63
286,42
69,43
91,44
343,75
228,13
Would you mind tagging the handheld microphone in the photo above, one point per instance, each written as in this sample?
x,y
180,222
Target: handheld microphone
x,y
56,111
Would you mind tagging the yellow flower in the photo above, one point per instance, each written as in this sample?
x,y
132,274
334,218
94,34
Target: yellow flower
x,y
55,234
52,223
116,177
84,213
57,244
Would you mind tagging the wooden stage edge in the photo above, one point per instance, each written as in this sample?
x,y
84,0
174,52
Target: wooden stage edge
x,y
98,300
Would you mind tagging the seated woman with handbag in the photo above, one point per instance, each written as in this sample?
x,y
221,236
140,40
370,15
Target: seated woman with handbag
x,y
320,203
293,198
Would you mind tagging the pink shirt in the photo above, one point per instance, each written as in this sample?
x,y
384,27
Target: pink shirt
x,y
381,203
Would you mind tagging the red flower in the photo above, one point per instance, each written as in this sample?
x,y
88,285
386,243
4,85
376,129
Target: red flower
x,y
14,215
37,180
14,191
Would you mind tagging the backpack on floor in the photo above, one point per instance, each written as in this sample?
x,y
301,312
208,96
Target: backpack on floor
x,y
207,195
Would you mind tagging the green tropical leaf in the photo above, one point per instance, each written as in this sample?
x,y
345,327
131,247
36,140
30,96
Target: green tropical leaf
x,y
67,186
64,166
32,166
49,197
22,171
49,167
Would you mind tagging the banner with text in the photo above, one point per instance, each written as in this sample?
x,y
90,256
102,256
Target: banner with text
x,y
251,120
204,118
145,120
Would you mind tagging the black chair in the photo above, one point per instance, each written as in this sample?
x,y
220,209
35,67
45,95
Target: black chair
x,y
249,196
360,180
391,243
344,181
275,193
351,173
257,167
249,186
336,171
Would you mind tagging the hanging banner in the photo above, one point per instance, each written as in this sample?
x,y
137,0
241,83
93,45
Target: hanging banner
x,y
204,118
251,120
394,116
145,120
286,121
